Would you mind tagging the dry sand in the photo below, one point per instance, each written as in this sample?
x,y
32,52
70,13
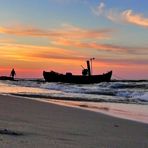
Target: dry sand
x,y
31,124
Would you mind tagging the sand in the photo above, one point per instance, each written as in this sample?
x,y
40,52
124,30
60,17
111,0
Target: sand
x,y
31,124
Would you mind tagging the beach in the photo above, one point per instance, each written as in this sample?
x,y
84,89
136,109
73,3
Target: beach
x,y
32,124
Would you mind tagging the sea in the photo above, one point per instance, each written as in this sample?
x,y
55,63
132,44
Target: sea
x,y
126,99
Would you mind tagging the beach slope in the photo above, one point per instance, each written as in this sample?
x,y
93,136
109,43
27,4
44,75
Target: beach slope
x,y
27,123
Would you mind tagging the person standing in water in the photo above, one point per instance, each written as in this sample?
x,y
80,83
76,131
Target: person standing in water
x,y
13,73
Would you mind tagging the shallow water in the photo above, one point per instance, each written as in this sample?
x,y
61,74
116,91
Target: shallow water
x,y
125,99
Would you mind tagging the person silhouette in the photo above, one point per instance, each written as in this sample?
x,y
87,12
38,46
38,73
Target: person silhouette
x,y
13,73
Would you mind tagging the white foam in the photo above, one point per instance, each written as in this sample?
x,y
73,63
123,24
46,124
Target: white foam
x,y
111,92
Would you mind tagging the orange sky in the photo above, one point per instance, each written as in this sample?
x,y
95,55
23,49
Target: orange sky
x,y
52,35
67,51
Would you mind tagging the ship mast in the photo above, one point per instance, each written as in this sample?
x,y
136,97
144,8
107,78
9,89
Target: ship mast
x,y
89,66
91,59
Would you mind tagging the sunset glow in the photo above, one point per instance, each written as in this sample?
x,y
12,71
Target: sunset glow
x,y
62,35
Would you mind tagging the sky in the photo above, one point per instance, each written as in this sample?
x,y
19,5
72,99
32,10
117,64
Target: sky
x,y
60,35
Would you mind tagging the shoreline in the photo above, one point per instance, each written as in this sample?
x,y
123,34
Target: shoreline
x,y
107,108
40,124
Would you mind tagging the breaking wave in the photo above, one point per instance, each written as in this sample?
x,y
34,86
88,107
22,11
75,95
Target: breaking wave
x,y
117,91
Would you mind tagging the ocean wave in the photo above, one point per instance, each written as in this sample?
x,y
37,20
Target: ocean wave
x,y
126,92
122,85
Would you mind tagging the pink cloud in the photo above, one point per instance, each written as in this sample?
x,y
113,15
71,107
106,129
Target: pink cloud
x,y
100,47
137,19
127,16
67,31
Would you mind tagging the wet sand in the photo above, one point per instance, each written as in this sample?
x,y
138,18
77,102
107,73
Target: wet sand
x,y
27,123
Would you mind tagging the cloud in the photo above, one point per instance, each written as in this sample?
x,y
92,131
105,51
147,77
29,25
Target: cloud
x,y
72,38
137,19
127,16
6,40
101,47
66,31
23,31
124,61
19,52
99,10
